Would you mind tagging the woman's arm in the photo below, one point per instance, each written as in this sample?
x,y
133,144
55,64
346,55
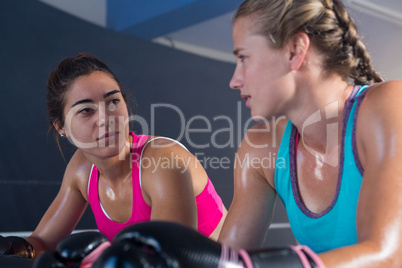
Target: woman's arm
x,y
253,203
379,215
66,209
167,183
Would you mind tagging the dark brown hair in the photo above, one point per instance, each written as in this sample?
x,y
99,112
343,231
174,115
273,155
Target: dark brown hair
x,y
327,23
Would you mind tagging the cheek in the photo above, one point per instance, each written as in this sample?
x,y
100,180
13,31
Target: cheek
x,y
257,73
121,119
79,131
121,123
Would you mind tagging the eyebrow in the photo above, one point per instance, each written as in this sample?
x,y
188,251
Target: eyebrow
x,y
238,50
89,100
111,93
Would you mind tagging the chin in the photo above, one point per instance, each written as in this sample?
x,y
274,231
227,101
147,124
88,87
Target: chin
x,y
259,117
108,151
111,154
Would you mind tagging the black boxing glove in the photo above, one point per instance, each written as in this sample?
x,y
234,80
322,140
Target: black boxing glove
x,y
76,250
178,245
127,254
292,257
182,246
14,245
13,261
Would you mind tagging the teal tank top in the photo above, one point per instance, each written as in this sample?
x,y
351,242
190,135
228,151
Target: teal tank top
x,y
336,226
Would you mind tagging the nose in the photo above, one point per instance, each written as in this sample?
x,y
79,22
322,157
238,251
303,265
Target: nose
x,y
102,114
236,82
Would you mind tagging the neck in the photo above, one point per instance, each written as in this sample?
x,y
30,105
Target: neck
x,y
318,114
116,167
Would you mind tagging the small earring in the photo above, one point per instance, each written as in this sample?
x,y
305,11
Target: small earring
x,y
61,135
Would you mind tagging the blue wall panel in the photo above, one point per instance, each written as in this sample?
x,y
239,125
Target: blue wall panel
x,y
153,18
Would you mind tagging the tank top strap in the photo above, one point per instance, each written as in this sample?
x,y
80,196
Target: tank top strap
x,y
92,180
141,150
361,89
136,149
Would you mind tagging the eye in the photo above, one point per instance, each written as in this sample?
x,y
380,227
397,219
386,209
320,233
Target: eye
x,y
112,104
85,110
241,58
115,101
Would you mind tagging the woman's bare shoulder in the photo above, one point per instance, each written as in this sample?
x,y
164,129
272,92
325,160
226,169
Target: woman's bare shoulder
x,y
78,171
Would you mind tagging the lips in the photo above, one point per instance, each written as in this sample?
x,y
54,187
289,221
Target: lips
x,y
108,135
247,98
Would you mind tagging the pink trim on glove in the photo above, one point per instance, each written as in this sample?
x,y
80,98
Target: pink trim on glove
x,y
224,256
89,260
228,256
246,258
303,258
298,249
314,256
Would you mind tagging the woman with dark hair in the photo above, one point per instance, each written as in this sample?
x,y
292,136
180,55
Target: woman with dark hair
x,y
88,106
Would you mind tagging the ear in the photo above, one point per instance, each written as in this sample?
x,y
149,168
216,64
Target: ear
x,y
59,128
298,47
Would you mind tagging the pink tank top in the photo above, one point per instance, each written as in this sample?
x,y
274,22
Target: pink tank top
x,y
209,204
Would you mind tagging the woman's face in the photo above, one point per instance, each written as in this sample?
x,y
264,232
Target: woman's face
x,y
96,116
261,71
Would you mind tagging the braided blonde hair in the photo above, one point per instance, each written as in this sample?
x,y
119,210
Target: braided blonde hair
x,y
327,23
